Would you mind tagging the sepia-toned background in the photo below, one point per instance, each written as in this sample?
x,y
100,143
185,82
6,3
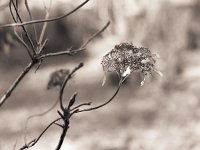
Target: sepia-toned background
x,y
163,114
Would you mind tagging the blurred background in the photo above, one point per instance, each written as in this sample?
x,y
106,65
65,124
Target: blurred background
x,y
161,115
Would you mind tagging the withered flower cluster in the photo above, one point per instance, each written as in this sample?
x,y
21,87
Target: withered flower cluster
x,y
126,58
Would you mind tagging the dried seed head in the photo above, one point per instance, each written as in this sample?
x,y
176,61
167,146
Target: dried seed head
x,y
126,58
57,78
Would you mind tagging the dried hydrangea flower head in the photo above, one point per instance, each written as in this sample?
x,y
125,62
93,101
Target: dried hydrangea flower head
x,y
57,78
126,58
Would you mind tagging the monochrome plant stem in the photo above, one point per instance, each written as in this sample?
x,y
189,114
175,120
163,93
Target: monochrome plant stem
x,y
62,137
16,82
102,105
38,57
24,28
34,141
36,51
46,20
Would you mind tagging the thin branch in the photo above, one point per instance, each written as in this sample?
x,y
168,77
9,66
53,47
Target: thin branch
x,y
11,12
84,104
95,35
46,20
33,142
66,52
23,27
40,57
58,125
16,82
43,30
31,18
67,112
97,107
62,137
15,32
64,84
39,53
28,9
45,23
82,47
42,46
38,115
23,43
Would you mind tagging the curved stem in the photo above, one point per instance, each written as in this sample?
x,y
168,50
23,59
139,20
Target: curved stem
x,y
64,84
97,107
33,142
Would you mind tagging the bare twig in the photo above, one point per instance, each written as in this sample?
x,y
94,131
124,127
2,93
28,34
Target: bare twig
x,y
16,82
62,137
46,20
82,47
23,27
34,141
95,35
11,11
44,25
68,112
43,30
97,107
40,50
31,18
40,57
42,46
38,115
65,114
84,104
58,125
23,43
66,52
64,84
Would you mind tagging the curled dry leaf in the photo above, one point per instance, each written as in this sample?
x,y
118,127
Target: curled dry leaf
x,y
126,58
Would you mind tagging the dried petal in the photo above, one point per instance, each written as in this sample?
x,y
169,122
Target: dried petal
x,y
104,79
